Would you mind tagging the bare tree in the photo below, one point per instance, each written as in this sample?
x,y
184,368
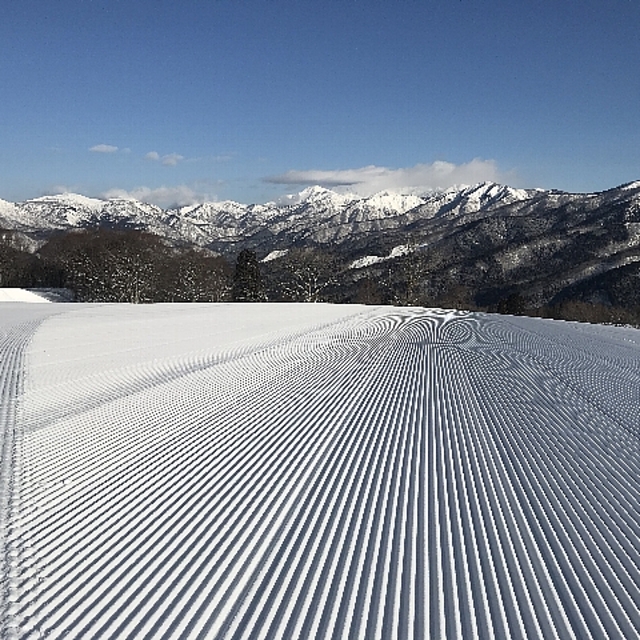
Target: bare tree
x,y
307,274
368,292
193,276
109,266
16,263
406,276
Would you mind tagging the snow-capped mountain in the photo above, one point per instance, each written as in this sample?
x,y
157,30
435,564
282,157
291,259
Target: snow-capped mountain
x,y
315,214
320,216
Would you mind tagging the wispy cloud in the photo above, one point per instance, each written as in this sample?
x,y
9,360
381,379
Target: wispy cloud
x,y
223,157
57,189
168,160
172,159
103,148
372,179
165,197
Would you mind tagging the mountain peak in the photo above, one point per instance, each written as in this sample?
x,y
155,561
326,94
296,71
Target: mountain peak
x,y
394,201
317,193
71,199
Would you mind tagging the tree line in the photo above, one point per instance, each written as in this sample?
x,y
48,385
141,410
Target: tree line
x,y
107,265
104,265
134,266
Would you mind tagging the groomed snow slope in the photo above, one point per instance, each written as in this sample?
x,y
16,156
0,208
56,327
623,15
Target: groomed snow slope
x,y
315,471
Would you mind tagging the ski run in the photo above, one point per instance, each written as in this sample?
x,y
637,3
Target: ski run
x,y
316,471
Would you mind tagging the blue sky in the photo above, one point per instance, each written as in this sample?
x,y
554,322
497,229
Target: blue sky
x,y
178,102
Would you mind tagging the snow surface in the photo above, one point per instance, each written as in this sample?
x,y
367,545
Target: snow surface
x,y
8,294
367,261
317,471
275,255
321,194
391,201
7,208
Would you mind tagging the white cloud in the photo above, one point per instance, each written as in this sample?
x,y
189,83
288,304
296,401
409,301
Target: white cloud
x,y
165,197
372,179
172,159
103,148
168,160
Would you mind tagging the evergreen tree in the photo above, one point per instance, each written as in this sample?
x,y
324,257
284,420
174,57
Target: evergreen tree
x,y
247,281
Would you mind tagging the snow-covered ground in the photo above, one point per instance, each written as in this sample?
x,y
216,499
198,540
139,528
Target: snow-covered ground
x,y
8,294
14,294
316,471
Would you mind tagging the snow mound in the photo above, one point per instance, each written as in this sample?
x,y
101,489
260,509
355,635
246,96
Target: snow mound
x,y
22,295
318,471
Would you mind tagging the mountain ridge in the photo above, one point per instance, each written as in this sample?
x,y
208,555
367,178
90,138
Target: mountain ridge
x,y
225,224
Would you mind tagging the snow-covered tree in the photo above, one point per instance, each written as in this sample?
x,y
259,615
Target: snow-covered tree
x,y
109,266
307,274
193,276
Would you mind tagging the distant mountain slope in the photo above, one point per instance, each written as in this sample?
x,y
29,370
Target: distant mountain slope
x,y
540,245
315,215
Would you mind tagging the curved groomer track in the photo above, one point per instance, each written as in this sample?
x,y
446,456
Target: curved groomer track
x,y
316,471
18,323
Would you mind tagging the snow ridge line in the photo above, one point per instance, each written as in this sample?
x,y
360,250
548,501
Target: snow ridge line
x,y
420,474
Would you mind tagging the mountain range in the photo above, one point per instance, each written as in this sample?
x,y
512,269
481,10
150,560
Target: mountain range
x,y
544,244
315,215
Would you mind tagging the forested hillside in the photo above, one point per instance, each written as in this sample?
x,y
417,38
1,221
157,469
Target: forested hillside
x,y
107,265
